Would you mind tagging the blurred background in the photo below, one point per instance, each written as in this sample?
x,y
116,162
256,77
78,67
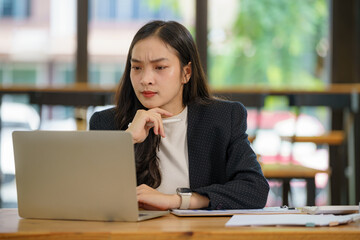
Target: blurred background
x,y
244,43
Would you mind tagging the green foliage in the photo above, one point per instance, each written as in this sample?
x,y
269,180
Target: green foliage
x,y
273,43
157,4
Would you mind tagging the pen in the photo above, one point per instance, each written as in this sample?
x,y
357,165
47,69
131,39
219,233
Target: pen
x,y
164,121
171,120
288,208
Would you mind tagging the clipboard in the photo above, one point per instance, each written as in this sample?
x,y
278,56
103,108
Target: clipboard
x,y
333,209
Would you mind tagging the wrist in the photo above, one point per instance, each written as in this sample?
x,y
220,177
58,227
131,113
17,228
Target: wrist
x,y
185,196
176,202
132,136
199,201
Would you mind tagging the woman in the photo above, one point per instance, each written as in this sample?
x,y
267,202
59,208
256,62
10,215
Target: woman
x,y
203,147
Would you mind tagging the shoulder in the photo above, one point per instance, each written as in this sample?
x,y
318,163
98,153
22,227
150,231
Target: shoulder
x,y
103,120
217,106
216,114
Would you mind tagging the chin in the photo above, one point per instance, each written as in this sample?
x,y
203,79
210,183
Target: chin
x,y
150,105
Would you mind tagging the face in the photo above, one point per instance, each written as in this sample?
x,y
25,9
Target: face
x,y
156,75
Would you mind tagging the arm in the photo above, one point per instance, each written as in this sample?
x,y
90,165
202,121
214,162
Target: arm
x,y
244,185
148,198
103,120
94,123
151,199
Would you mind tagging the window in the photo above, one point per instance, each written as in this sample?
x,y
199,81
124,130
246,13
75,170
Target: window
x,y
269,42
130,10
112,25
18,9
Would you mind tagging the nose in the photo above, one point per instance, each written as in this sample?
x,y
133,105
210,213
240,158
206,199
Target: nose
x,y
147,77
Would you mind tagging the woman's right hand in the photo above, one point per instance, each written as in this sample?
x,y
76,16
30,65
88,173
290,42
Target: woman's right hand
x,y
144,120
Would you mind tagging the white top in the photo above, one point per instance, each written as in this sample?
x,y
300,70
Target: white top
x,y
173,155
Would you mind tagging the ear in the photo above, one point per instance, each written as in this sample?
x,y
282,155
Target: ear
x,y
187,70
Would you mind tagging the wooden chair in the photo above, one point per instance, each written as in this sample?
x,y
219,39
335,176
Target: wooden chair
x,y
292,171
286,172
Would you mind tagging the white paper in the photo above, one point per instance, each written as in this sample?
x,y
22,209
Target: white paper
x,y
290,219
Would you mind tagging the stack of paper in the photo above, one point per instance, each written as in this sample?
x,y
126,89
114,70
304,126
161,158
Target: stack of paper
x,y
270,216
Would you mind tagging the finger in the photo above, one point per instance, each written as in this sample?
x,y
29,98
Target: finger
x,y
140,189
162,130
149,207
143,187
150,121
158,125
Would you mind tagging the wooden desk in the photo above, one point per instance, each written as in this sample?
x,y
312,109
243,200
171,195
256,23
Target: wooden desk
x,y
167,227
69,95
80,94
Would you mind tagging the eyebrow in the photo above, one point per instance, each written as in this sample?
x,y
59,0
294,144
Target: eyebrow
x,y
152,61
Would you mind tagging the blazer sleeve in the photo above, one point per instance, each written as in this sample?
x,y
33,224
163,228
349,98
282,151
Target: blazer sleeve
x,y
103,120
244,186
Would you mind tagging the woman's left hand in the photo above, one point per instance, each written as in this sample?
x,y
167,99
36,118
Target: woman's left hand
x,y
151,199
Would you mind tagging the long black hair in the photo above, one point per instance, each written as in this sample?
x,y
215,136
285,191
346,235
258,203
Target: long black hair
x,y
179,38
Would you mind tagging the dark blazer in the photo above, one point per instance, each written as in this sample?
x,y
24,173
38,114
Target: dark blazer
x,y
222,165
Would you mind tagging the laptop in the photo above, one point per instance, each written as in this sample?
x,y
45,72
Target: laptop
x,y
77,175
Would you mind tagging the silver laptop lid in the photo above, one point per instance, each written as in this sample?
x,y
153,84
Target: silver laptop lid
x,y
84,175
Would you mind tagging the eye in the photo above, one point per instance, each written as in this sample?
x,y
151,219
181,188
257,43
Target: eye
x,y
160,67
135,67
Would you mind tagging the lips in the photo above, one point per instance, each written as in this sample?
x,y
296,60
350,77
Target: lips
x,y
148,94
